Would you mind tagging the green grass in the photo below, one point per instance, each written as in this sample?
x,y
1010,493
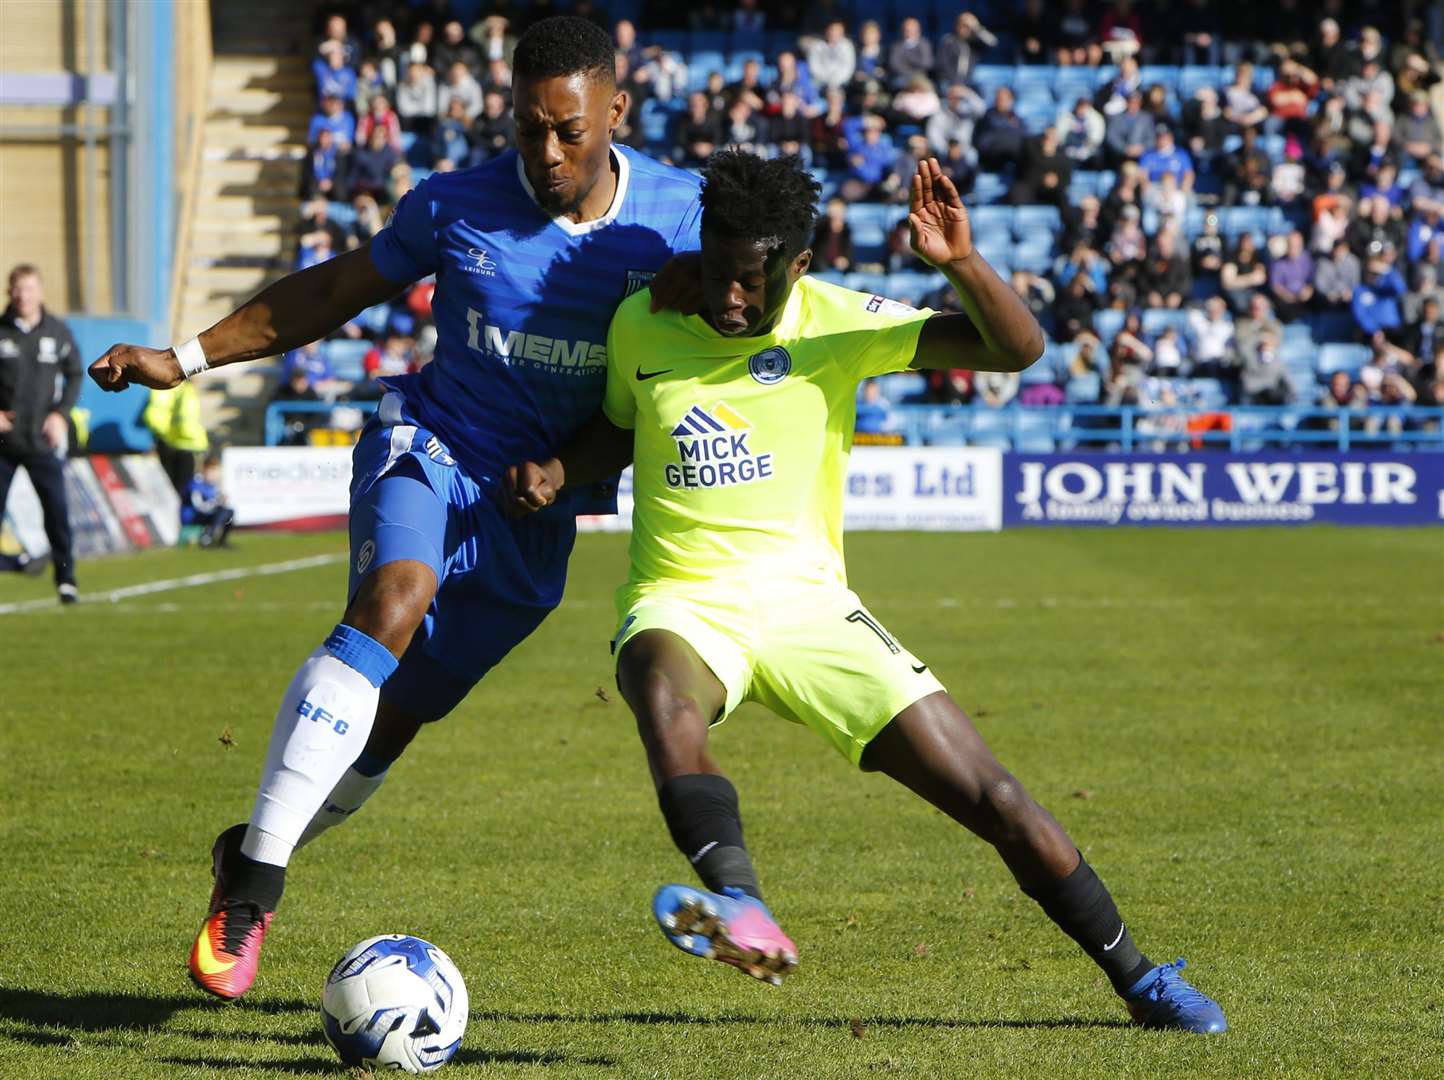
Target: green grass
x,y
1240,729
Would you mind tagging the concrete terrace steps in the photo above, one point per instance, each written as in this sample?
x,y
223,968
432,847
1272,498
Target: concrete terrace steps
x,y
247,206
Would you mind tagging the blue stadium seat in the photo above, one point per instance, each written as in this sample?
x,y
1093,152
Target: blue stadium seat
x,y
1035,430
992,427
869,223
1208,393
701,64
992,219
912,285
1156,320
1084,389
1032,221
903,387
868,283
1337,357
1104,75
989,188
1031,78
948,428
1164,76
1298,333
988,77
1037,114
1035,259
1273,146
1070,85
1107,323
342,213
1192,78
346,358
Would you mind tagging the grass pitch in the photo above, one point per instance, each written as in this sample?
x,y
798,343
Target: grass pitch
x,y
1241,730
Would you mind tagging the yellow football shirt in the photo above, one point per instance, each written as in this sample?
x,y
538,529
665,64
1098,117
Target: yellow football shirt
x,y
742,444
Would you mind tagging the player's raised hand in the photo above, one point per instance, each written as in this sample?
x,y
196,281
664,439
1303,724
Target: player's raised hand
x,y
123,365
678,285
529,487
940,230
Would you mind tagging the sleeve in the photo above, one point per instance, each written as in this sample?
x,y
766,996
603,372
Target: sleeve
x,y
619,403
406,249
689,233
886,332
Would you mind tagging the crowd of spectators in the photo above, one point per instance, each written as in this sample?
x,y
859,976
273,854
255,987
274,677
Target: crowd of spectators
x,y
1146,127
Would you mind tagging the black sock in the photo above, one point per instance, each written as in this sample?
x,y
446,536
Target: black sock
x,y
706,825
248,880
1081,906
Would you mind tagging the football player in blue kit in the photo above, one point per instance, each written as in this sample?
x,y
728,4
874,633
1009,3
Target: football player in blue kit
x,y
532,253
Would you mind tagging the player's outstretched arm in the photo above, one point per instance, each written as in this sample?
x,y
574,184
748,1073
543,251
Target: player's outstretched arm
x,y
598,451
998,333
294,311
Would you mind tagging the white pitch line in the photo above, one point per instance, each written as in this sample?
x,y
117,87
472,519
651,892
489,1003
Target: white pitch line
x,y
167,584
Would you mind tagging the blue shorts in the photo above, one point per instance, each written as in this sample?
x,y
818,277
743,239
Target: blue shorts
x,y
498,577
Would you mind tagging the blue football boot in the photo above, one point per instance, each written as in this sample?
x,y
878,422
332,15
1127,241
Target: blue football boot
x,y
729,926
1164,999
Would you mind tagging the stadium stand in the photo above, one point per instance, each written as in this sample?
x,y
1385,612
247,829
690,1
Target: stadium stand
x,y
1279,132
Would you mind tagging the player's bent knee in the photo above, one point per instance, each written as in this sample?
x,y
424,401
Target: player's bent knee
x,y
1004,808
391,601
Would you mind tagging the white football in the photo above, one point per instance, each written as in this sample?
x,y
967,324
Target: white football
x,y
395,1002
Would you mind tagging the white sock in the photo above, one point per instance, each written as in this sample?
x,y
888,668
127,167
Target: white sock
x,y
323,723
348,796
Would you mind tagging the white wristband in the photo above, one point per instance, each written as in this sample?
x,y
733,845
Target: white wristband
x,y
192,357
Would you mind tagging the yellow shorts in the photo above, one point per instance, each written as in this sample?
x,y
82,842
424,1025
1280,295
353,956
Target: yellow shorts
x,y
810,653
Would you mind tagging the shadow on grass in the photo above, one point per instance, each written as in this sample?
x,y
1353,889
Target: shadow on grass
x,y
98,1012
693,1019
309,1066
466,1056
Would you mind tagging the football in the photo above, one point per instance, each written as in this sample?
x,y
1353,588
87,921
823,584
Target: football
x,y
395,1002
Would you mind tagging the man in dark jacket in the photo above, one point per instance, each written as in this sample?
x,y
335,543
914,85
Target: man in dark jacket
x,y
39,381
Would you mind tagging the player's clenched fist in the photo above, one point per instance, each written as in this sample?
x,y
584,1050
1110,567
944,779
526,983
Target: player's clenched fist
x,y
123,365
528,487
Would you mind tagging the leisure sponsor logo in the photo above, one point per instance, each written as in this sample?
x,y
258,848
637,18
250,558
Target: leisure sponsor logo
x,y
518,348
479,262
1221,490
770,366
714,451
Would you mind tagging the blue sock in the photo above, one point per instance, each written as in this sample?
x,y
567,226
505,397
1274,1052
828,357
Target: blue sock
x,y
362,653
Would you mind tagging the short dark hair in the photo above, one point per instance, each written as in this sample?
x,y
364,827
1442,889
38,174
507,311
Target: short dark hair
x,y
752,198
564,45
21,270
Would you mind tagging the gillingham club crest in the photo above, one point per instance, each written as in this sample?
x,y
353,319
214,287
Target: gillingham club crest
x,y
770,366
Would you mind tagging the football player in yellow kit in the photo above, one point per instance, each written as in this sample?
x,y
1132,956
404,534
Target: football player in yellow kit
x,y
738,422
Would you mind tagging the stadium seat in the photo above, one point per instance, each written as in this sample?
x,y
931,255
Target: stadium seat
x,y
1034,78
903,387
1336,357
1192,78
1208,393
1300,333
701,41
346,358
912,285
988,77
1161,75
994,219
868,283
1104,75
1070,85
1107,323
991,427
1156,320
947,427
1035,430
1032,221
1084,389
989,188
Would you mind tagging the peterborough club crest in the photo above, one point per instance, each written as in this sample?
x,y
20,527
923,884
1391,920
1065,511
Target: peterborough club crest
x,y
770,366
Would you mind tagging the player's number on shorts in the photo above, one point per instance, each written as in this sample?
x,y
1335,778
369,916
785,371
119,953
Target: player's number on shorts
x,y
860,616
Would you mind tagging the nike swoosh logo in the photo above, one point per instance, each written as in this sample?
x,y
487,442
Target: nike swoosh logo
x,y
920,668
643,376
1116,940
206,959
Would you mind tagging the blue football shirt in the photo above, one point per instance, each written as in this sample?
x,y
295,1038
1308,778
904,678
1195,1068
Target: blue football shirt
x,y
523,301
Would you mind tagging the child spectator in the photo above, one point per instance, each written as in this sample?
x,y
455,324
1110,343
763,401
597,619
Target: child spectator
x,y
203,505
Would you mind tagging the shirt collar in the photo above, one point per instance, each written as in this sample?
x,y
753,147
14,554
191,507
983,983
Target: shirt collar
x,y
581,228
